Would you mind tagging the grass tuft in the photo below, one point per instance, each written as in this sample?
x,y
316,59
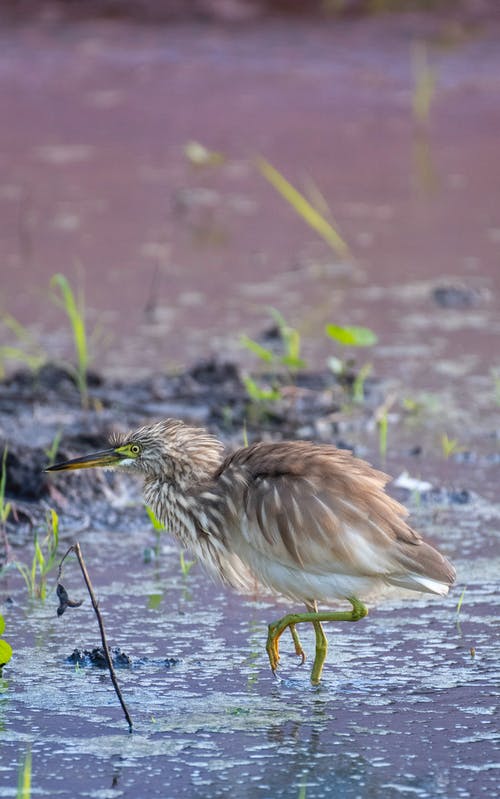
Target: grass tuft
x,y
64,297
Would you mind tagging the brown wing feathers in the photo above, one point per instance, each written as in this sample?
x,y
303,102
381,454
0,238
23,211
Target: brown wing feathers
x,y
312,502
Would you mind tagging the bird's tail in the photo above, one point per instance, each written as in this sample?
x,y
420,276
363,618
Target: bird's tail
x,y
424,569
419,582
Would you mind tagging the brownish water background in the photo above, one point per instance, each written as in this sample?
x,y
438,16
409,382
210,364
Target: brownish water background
x,y
175,260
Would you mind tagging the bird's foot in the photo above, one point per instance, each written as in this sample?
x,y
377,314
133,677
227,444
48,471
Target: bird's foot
x,y
272,646
298,646
275,631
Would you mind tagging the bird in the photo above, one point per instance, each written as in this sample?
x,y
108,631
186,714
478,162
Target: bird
x,y
304,520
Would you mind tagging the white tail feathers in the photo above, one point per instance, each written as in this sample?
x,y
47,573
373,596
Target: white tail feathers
x,y
419,582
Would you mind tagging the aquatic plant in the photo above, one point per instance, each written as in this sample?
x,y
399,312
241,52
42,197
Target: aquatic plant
x,y
51,452
5,648
460,601
281,365
186,565
258,393
351,336
382,424
290,343
303,207
64,297
358,386
450,446
159,527
24,777
44,559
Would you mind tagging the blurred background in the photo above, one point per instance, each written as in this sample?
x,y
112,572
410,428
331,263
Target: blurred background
x,y
129,153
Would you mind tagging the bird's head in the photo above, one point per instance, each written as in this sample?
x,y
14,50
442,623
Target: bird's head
x,y
169,450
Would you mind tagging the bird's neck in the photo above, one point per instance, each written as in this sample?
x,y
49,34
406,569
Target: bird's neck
x,y
184,508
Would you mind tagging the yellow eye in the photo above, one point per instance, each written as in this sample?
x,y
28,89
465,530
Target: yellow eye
x,y
135,449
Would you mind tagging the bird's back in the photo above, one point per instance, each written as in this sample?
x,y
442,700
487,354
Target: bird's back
x,y
313,522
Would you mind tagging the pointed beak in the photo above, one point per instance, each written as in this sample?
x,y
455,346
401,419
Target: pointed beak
x,y
107,457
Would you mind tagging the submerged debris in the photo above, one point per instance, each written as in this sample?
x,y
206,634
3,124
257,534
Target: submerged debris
x,y
97,657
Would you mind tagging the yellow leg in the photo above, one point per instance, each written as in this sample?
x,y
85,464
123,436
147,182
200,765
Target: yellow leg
x,y
276,629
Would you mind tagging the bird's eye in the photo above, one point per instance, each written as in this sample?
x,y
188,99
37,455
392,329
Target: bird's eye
x,y
135,449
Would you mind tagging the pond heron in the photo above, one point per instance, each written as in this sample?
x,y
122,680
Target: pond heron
x,y
307,521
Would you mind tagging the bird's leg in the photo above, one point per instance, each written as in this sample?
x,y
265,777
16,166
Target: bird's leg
x,y
298,646
275,630
321,645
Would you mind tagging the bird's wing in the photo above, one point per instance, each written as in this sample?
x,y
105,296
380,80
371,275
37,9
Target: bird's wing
x,y
320,509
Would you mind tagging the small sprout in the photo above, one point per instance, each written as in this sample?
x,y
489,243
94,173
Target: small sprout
x,y
460,601
186,565
450,446
290,340
351,336
44,559
51,452
382,420
358,388
258,394
382,423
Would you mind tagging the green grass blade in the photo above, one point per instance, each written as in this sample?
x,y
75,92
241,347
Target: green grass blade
x,y
351,335
24,779
303,207
75,315
460,601
253,346
157,524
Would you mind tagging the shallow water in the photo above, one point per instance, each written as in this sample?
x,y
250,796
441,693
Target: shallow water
x,y
404,708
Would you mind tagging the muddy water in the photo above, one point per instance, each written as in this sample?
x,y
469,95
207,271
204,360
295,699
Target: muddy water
x,y
404,708
176,261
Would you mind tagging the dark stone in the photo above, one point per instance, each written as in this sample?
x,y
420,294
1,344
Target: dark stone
x,y
212,371
456,297
53,376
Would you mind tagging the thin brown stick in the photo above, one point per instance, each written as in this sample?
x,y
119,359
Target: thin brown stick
x,y
78,552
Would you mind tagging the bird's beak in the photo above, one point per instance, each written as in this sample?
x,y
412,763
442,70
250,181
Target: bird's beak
x,y
107,457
